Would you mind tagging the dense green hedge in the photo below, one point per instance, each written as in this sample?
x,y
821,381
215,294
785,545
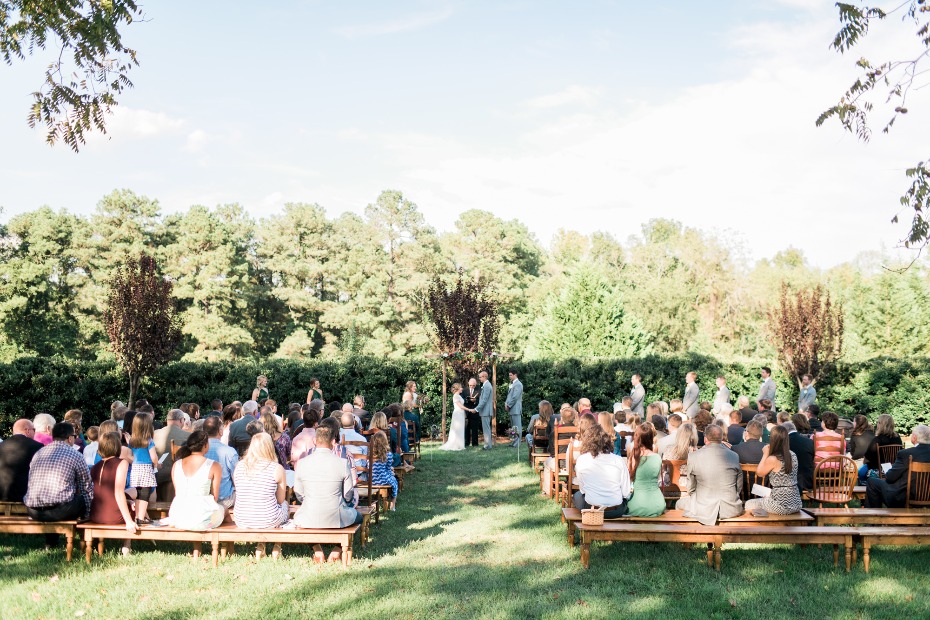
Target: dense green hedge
x,y
30,385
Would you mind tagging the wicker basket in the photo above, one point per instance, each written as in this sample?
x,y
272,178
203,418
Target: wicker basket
x,y
592,516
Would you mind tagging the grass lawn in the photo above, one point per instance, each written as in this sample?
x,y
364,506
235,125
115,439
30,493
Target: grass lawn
x,y
471,538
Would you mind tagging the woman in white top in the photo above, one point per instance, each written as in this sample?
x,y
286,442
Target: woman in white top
x,y
603,477
457,427
197,486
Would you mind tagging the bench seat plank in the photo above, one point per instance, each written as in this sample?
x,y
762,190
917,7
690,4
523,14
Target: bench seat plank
x,y
890,536
870,516
22,524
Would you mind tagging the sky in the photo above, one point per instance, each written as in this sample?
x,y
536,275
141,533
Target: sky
x,y
590,115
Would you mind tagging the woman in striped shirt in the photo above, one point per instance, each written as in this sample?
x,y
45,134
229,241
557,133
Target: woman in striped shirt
x,y
382,470
260,490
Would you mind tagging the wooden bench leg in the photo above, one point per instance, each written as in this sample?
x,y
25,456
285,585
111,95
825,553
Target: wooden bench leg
x,y
848,556
717,549
347,554
710,555
198,549
215,553
571,534
585,553
70,546
836,555
89,546
100,547
866,543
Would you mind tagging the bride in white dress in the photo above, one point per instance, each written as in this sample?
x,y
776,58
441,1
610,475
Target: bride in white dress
x,y
457,428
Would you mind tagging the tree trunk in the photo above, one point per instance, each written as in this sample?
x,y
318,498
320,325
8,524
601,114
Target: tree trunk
x,y
134,381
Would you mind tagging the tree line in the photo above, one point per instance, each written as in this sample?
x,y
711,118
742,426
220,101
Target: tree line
x,y
300,284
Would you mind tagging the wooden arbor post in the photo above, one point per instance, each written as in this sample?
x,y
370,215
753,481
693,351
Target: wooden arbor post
x,y
494,398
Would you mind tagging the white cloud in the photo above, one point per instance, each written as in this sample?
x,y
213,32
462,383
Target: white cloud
x,y
137,123
409,23
573,95
196,140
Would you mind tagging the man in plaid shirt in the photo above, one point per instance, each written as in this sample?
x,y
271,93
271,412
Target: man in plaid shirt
x,y
60,488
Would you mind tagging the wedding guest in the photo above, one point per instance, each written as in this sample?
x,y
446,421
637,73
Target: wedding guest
x,y
658,423
109,505
734,430
382,470
892,491
197,482
747,413
885,435
305,440
75,417
813,418
540,421
803,448
862,436
715,480
645,466
802,424
701,421
674,423
15,455
603,478
43,424
828,442
750,450
280,439
172,431
260,490
225,456
780,464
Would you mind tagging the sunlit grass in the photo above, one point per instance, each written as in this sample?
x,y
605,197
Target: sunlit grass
x,y
471,538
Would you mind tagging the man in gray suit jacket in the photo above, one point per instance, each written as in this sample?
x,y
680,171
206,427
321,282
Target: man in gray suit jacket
x,y
514,405
485,410
325,484
715,480
637,395
767,389
807,395
690,403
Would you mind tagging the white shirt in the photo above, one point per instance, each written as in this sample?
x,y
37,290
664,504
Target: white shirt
x,y
605,480
667,442
90,452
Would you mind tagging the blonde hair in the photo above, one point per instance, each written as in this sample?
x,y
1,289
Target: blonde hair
x,y
379,421
270,421
685,440
142,431
884,425
606,420
108,426
261,451
380,447
568,416
258,380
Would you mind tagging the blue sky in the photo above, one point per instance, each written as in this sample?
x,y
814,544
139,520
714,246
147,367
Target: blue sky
x,y
584,115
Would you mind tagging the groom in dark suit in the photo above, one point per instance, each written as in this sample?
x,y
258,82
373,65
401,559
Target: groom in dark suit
x,y
472,420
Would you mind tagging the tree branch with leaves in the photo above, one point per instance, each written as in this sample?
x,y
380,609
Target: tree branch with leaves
x,y
807,332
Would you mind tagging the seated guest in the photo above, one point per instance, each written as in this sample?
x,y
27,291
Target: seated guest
x,y
567,417
197,483
802,424
803,448
625,431
382,470
750,450
305,440
677,407
325,484
75,417
606,421
892,491
540,422
225,456
658,423
813,418
43,424
15,455
171,431
745,411
109,505
714,481
603,478
260,490
885,435
860,438
90,450
701,421
828,442
358,408
550,464
59,487
734,430
348,433
411,415
674,423
282,441
723,413
780,464
782,417
573,451
393,413
645,466
238,436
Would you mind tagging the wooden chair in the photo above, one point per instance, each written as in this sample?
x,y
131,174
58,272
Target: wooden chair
x,y
887,454
368,493
831,446
569,487
174,449
626,438
671,471
407,457
562,437
412,437
834,479
540,442
750,478
918,485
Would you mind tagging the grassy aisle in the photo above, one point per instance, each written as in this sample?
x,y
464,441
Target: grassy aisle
x,y
470,538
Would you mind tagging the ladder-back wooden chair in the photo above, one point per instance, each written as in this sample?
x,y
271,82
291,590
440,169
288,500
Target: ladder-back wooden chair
x,y
887,454
918,485
368,497
412,437
750,478
540,443
562,436
669,477
828,447
834,479
626,439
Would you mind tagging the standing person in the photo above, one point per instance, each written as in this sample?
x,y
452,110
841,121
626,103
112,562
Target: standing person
x,y
472,420
15,455
260,392
485,410
767,389
514,405
637,395
456,439
808,394
144,464
723,395
690,404
315,392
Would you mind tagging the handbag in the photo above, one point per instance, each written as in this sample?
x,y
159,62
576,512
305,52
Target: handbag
x,y
593,515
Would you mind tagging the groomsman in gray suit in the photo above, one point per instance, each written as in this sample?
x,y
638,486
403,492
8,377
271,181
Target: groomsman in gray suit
x,y
723,395
514,405
637,395
767,389
690,403
485,409
808,394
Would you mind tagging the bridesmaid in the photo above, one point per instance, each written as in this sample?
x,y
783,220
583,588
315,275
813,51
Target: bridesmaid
x,y
315,392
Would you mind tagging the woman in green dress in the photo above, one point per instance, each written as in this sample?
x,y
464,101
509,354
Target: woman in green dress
x,y
645,465
315,392
260,392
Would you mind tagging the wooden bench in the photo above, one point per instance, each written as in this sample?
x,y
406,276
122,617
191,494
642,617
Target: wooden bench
x,y
716,535
890,536
222,534
870,516
22,524
8,509
572,517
